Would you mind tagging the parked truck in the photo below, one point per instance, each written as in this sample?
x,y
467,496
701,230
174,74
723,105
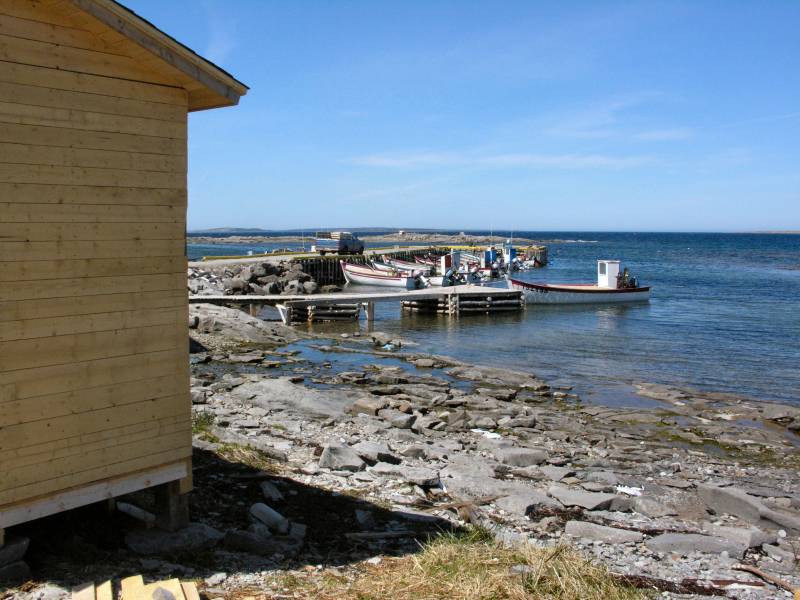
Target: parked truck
x,y
337,242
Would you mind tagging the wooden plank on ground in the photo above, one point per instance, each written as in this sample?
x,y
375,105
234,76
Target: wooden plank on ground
x,y
83,592
130,587
104,591
189,590
171,588
83,232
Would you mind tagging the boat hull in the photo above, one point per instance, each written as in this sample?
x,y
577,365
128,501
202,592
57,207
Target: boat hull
x,y
574,294
363,276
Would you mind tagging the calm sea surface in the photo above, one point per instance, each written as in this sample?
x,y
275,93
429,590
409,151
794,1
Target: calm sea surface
x,y
724,316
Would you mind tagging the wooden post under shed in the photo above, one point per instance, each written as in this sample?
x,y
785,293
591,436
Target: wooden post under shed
x,y
94,379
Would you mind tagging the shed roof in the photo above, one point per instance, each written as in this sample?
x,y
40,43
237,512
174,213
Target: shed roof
x,y
216,87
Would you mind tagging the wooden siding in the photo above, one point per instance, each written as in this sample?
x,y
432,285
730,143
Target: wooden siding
x,y
93,314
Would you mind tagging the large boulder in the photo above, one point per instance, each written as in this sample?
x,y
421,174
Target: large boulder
x,y
339,457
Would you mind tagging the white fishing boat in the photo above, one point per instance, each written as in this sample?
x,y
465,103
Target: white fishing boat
x,y
381,266
364,275
612,286
403,265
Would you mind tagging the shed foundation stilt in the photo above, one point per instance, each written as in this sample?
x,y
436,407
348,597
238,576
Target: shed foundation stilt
x,y
172,507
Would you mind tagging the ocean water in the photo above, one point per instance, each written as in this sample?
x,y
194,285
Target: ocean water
x,y
724,316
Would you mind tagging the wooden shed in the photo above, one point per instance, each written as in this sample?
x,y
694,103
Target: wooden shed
x,y
94,380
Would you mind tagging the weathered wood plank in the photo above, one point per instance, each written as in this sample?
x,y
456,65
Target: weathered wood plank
x,y
104,591
48,135
65,288
10,251
85,232
35,193
73,37
31,383
67,499
88,305
38,328
33,433
55,56
30,270
83,592
30,154
84,82
142,459
27,354
16,412
25,114
18,93
90,176
13,212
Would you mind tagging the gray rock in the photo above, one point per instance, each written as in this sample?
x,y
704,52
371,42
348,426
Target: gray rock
x,y
397,419
418,475
520,457
310,287
609,535
606,477
270,517
587,500
375,452
686,543
731,501
556,473
16,572
14,549
340,458
751,536
522,501
271,492
415,451
368,406
650,507
424,363
194,537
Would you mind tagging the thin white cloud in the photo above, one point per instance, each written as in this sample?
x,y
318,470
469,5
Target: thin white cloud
x,y
222,34
541,161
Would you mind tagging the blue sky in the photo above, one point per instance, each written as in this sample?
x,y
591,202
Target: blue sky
x,y
646,116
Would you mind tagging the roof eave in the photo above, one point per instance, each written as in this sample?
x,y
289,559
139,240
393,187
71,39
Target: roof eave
x,y
224,89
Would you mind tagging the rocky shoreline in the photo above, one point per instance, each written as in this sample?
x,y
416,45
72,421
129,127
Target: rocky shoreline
x,y
319,455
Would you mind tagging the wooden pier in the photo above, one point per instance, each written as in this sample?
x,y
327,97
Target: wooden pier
x,y
455,300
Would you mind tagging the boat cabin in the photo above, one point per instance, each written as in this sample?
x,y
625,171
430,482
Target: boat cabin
x,y
607,272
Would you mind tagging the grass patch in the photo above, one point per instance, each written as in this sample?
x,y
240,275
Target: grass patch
x,y
202,422
471,566
244,455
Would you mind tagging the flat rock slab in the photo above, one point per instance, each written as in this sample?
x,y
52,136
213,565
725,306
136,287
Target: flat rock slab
x,y
752,536
520,457
601,533
686,543
417,475
587,500
522,500
194,537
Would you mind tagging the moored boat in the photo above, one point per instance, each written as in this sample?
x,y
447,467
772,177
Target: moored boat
x,y
364,275
402,265
612,286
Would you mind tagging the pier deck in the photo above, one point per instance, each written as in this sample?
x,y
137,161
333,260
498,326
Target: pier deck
x,y
451,300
